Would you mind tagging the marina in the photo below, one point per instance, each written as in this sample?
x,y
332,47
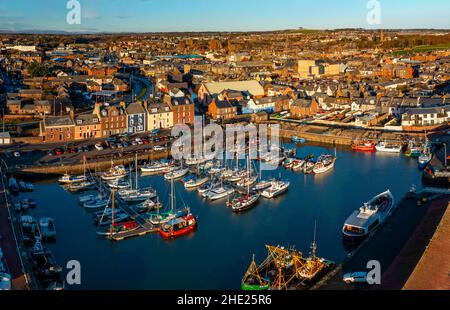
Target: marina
x,y
295,210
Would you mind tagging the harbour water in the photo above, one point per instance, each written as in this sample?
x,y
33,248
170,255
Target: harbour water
x,y
217,255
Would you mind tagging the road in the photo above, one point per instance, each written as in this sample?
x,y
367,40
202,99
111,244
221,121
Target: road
x,y
37,154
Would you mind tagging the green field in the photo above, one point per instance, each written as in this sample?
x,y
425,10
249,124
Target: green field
x,y
422,49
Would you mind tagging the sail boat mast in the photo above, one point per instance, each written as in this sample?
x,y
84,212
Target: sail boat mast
x,y
113,194
136,169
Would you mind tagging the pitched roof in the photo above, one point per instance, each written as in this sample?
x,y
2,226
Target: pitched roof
x,y
252,86
135,108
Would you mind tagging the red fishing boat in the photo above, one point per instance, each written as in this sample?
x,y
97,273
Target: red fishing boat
x,y
178,226
364,147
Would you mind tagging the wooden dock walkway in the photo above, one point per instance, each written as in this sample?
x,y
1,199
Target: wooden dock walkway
x,y
144,226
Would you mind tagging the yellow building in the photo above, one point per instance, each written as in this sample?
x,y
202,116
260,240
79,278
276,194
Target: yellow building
x,y
304,68
159,116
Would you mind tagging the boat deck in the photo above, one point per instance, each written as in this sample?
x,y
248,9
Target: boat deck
x,y
145,227
141,231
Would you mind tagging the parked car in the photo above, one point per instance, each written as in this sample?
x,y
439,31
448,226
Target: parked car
x,y
99,147
145,141
59,152
51,153
138,140
125,144
159,148
355,277
16,154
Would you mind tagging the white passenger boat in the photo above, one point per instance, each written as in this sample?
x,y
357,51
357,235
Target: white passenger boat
x,y
385,147
276,188
370,216
116,172
324,164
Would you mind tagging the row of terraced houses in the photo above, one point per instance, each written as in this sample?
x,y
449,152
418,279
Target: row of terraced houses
x,y
107,120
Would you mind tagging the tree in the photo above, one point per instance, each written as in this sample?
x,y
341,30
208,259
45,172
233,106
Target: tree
x,y
37,70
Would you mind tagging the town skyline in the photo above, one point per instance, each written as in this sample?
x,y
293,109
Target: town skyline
x,y
149,16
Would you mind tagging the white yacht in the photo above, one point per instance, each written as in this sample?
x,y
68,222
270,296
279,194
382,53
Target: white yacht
x,y
276,188
116,172
119,184
324,164
218,193
385,147
137,195
157,167
371,215
176,174
69,179
196,182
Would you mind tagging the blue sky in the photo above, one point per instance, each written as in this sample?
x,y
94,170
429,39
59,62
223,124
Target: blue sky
x,y
219,15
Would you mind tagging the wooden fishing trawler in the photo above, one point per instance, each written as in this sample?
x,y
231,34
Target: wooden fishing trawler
x,y
286,269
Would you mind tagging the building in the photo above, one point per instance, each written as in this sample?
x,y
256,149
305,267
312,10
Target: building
x,y
5,138
421,117
159,116
58,128
266,104
252,87
113,118
183,110
222,110
136,115
304,68
301,108
87,126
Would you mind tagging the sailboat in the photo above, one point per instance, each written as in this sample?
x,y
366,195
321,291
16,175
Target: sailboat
x,y
176,173
249,179
137,195
85,183
180,224
115,172
114,226
218,192
262,184
244,202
